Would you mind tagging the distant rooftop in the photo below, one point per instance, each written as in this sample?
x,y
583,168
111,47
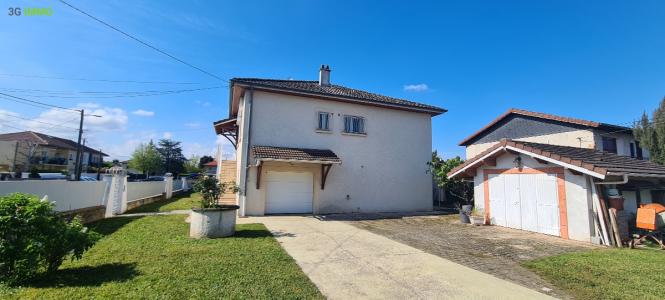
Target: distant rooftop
x,y
46,140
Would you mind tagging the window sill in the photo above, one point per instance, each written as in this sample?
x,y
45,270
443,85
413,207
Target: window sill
x,y
323,131
354,134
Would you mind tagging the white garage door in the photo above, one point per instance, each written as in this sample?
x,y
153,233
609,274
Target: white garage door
x,y
289,192
525,201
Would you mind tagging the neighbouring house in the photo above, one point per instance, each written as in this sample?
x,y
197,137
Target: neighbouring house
x,y
545,173
210,168
22,151
308,146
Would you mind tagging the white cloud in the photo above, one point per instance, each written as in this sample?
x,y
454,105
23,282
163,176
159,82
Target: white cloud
x,y
421,87
192,125
167,135
203,103
65,123
143,113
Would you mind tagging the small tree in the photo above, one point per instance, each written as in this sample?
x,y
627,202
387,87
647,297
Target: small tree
x,y
35,239
651,133
462,191
146,158
192,164
211,190
172,158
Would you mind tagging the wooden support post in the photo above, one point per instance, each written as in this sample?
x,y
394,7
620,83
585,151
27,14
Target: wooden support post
x,y
324,174
259,169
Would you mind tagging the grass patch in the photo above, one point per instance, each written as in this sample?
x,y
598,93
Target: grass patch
x,y
178,202
606,274
153,257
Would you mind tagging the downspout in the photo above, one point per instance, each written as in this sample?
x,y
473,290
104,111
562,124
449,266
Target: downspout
x,y
249,94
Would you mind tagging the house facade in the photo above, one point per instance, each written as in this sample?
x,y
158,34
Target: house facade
x,y
22,151
315,147
523,125
550,174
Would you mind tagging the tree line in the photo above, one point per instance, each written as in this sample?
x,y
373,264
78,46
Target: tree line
x,y
165,157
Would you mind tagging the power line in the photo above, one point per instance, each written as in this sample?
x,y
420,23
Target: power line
x,y
142,42
11,126
33,120
37,102
73,92
119,95
96,80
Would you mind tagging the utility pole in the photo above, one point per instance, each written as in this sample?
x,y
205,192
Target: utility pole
x,y
77,177
99,164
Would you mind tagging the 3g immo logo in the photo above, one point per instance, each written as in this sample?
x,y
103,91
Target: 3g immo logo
x,y
30,11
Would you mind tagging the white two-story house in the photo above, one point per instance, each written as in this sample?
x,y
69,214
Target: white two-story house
x,y
316,147
552,174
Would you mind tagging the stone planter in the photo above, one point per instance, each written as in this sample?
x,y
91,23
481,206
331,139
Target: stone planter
x,y
477,220
213,222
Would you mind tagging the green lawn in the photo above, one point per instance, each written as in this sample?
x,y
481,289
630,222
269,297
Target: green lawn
x,y
181,201
607,273
152,257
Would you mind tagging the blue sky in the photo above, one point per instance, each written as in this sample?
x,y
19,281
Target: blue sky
x,y
597,60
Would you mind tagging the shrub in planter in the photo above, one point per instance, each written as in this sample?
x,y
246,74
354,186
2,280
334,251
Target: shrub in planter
x,y
212,219
35,239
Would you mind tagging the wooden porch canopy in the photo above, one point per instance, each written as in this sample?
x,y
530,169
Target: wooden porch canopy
x,y
229,129
326,158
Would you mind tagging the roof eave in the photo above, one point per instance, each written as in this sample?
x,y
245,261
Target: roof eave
x,y
433,112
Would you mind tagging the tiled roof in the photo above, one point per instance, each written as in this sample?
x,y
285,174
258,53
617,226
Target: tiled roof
x,y
332,90
283,153
597,161
211,164
544,116
45,140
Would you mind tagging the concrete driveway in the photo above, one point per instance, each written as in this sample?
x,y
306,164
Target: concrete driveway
x,y
348,262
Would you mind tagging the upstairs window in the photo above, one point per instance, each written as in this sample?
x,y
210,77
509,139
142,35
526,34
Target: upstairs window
x,y
323,121
610,144
632,149
353,124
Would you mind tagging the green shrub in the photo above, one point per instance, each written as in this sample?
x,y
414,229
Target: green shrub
x,y
211,189
35,239
34,173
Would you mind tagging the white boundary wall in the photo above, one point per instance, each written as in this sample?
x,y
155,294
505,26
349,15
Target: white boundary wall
x,y
138,190
68,195
71,195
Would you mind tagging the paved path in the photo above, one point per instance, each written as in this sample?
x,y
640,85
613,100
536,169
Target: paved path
x,y
495,250
346,262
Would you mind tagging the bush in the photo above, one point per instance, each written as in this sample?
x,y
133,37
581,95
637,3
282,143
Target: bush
x,y
34,173
211,189
35,239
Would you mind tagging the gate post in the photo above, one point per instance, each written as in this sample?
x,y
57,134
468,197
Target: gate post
x,y
117,191
168,178
185,187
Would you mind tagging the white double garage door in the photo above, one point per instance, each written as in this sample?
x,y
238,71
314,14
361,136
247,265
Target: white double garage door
x,y
289,192
525,201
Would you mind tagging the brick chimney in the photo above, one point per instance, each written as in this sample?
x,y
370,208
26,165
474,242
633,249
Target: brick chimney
x,y
324,75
